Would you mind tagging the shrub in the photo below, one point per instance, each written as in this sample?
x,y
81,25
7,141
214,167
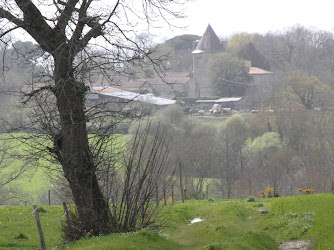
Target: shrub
x,y
251,199
267,193
214,246
41,210
195,195
21,236
306,191
72,228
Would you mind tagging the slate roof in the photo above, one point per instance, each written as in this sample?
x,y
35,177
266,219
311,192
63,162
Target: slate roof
x,y
209,42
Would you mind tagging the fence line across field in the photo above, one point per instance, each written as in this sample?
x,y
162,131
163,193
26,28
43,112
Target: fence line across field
x,y
19,220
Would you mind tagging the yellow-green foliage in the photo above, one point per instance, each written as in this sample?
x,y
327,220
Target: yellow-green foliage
x,y
267,193
306,191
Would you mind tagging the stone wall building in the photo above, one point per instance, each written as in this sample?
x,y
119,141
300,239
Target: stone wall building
x,y
208,46
205,49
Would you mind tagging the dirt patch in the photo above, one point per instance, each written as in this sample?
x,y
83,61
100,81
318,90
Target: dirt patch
x,y
300,245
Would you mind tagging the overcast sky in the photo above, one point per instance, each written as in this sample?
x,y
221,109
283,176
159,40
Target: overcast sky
x,y
228,17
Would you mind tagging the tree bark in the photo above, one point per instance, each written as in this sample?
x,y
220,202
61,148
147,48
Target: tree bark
x,y
73,150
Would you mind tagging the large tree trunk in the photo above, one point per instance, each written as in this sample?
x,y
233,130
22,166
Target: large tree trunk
x,y
74,152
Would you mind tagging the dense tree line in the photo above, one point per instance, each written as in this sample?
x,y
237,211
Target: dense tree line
x,y
288,148
300,58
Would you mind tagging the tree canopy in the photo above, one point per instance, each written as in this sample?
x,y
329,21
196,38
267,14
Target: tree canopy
x,y
229,74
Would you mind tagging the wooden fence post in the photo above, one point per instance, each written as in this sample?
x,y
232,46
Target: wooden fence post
x,y
182,194
156,194
164,191
250,187
39,226
173,194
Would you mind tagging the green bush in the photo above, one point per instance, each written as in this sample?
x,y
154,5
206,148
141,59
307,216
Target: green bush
x,y
21,236
214,246
251,199
41,210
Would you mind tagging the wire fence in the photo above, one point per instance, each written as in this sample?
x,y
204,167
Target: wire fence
x,y
10,220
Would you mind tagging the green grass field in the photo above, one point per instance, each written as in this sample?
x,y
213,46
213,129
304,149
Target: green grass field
x,y
227,224
33,185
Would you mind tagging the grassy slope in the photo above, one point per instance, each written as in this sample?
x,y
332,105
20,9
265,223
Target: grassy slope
x,y
34,183
228,224
320,207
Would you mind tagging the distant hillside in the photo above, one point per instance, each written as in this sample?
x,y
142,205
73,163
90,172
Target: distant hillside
x,y
179,51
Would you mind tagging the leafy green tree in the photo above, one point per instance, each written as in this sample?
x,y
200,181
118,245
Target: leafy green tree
x,y
177,51
183,42
229,74
258,157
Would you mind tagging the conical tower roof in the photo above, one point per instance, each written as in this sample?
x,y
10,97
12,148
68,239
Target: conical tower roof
x,y
209,42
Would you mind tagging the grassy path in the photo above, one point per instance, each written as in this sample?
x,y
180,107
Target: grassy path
x,y
227,224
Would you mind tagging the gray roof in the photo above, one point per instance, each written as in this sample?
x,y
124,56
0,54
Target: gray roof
x,y
209,42
131,96
221,100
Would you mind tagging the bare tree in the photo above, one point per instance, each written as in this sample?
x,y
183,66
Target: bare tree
x,y
196,152
64,31
300,48
230,141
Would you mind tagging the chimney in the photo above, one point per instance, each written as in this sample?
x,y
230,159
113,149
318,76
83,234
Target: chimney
x,y
248,64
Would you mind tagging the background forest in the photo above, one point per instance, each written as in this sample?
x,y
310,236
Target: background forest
x,y
287,145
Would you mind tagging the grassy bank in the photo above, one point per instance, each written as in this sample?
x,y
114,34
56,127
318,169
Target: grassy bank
x,y
227,224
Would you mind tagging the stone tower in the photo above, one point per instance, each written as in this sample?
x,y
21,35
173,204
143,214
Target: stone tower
x,y
209,45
